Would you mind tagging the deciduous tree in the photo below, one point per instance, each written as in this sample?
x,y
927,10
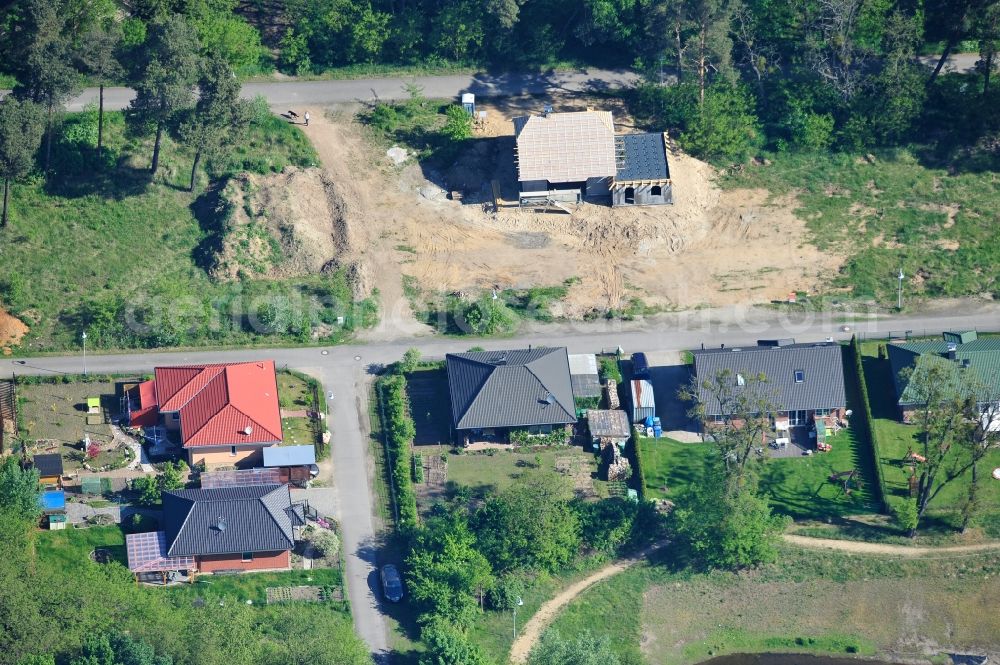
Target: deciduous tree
x,y
529,525
944,418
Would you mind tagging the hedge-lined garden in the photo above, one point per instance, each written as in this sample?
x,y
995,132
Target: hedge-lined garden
x,y
868,426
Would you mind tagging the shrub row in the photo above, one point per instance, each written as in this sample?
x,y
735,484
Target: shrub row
x,y
634,453
869,423
399,432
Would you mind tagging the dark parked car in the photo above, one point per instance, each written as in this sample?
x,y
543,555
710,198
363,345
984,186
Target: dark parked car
x,y
640,366
392,585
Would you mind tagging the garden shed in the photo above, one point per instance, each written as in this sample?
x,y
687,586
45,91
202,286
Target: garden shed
x,y
606,425
49,467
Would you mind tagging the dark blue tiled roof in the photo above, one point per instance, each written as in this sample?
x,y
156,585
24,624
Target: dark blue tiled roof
x,y
821,387
645,157
228,520
510,388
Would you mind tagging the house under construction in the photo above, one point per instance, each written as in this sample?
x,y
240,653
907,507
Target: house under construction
x,y
566,157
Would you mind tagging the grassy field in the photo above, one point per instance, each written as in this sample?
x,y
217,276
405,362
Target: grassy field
x,y
140,247
896,438
67,548
810,602
888,212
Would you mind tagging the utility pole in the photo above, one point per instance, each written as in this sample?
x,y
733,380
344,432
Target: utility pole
x,y
899,295
519,603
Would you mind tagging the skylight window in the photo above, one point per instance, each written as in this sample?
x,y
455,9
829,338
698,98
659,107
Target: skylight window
x,y
800,376
740,381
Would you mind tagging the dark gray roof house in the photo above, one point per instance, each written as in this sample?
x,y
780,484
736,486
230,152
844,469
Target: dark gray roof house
x,y
503,389
230,520
800,377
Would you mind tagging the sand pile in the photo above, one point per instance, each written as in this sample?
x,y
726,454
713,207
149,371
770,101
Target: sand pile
x,y
12,331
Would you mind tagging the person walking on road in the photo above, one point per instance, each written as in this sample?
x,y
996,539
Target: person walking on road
x,y
306,116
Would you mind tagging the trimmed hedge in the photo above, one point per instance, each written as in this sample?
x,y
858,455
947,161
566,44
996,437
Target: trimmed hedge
x,y
400,430
634,453
869,422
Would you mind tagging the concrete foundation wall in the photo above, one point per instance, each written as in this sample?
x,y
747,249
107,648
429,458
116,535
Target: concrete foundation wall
x,y
642,195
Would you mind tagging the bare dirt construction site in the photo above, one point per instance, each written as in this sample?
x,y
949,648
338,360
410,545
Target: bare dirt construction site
x,y
383,221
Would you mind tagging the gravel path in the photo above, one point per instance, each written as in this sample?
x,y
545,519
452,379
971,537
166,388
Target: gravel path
x,y
547,613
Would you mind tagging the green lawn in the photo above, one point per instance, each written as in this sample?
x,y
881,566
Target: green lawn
x,y
253,586
893,212
896,438
294,392
67,548
140,247
797,486
297,432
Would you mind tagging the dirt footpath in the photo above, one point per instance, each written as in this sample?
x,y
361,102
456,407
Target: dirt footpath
x,y
547,613
859,547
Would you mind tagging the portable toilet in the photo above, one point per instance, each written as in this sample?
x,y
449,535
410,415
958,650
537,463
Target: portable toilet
x,y
657,428
469,103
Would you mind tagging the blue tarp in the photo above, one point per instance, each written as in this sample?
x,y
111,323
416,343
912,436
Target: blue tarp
x,y
52,501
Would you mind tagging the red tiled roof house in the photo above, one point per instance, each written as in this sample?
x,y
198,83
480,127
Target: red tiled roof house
x,y
225,414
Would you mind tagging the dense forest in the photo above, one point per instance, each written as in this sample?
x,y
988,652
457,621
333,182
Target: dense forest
x,y
752,74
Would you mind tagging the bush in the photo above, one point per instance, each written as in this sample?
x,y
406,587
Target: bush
x,y
400,430
608,369
634,453
505,593
458,126
326,543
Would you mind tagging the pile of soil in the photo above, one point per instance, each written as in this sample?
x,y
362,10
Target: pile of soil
x,y
291,224
12,331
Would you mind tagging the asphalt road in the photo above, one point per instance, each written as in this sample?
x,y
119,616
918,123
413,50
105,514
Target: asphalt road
x,y
346,371
297,94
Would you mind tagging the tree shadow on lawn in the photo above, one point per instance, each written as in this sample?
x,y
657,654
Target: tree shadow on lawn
x,y
119,181
881,388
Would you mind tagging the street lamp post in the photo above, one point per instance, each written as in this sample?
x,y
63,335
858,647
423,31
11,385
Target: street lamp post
x,y
519,603
899,295
83,336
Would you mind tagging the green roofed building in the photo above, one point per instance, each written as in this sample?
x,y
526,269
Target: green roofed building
x,y
967,349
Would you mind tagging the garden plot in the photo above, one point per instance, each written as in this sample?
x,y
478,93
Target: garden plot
x,y
54,419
